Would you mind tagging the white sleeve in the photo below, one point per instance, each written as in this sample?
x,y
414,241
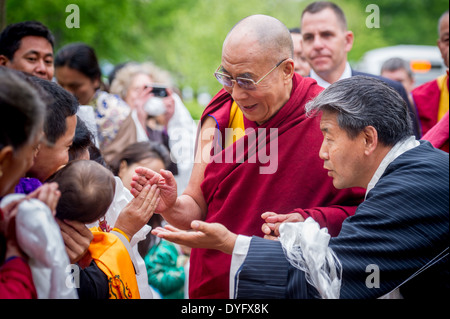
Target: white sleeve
x,y
239,254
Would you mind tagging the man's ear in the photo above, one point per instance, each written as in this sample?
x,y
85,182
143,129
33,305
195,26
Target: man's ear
x,y
370,136
3,60
288,70
349,38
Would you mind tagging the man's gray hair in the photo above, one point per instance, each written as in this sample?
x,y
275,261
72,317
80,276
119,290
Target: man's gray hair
x,y
394,64
362,101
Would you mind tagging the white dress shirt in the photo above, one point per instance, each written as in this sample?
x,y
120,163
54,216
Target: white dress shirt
x,y
347,74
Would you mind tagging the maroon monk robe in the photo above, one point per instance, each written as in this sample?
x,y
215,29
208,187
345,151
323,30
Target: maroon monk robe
x,y
427,97
438,135
238,193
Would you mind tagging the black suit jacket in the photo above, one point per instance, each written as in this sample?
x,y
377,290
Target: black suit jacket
x,y
401,226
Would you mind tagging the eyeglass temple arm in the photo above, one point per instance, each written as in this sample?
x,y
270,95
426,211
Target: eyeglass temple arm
x,y
276,66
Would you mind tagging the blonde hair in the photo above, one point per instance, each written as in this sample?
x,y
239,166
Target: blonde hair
x,y
124,76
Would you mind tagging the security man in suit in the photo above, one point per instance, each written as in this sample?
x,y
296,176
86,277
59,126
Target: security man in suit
x,y
326,43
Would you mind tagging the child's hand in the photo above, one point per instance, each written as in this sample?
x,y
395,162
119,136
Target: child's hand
x,y
138,211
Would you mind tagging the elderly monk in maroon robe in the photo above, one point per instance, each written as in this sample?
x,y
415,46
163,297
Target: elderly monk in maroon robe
x,y
432,98
438,135
256,153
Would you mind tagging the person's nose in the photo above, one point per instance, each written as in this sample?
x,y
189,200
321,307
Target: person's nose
x,y
238,93
41,68
323,152
318,43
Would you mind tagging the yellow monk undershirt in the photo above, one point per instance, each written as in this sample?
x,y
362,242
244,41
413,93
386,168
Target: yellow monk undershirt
x,y
236,123
444,99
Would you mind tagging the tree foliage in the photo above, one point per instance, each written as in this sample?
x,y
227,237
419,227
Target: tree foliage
x,y
186,36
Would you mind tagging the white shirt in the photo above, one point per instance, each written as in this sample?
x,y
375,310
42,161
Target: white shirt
x,y
347,74
243,242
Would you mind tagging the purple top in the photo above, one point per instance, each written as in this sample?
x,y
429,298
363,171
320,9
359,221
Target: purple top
x,y
27,185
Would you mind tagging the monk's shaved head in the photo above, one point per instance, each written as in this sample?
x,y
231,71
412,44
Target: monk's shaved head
x,y
270,35
259,48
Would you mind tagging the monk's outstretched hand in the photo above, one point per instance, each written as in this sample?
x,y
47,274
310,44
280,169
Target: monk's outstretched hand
x,y
203,235
273,221
164,180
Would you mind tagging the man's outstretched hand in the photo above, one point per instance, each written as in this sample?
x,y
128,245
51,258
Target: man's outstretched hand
x,y
273,221
203,235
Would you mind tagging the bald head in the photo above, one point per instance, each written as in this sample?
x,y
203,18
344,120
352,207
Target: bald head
x,y
443,36
271,37
259,49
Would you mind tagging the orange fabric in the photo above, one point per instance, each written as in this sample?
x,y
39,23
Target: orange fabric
x,y
444,98
112,257
237,125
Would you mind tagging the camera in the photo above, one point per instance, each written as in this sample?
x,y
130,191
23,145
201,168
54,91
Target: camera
x,y
158,91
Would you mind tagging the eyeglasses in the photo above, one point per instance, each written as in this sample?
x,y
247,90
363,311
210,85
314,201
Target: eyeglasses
x,y
244,83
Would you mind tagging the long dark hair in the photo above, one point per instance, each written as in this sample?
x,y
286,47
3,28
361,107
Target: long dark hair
x,y
80,57
137,152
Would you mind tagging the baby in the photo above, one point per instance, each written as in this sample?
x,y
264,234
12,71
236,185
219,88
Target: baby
x,y
87,190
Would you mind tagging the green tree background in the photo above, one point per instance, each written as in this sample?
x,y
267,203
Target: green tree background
x,y
185,36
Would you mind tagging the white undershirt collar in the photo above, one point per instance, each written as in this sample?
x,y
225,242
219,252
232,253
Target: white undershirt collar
x,y
345,75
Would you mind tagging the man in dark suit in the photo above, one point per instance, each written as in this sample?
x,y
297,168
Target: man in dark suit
x,y
395,245
326,43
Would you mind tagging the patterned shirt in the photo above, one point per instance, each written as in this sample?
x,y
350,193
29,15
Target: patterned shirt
x,y
110,112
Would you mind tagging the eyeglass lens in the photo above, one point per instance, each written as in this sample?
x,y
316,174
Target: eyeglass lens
x,y
242,82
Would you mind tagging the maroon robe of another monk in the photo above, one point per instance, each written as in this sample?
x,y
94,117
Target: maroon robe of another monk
x,y
427,98
290,177
438,135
